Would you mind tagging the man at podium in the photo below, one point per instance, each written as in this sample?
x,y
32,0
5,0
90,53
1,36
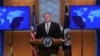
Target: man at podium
x,y
48,29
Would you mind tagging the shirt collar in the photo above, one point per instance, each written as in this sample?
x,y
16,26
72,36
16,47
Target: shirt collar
x,y
48,23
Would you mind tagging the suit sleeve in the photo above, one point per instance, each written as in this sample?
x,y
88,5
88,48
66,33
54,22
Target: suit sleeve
x,y
38,33
58,31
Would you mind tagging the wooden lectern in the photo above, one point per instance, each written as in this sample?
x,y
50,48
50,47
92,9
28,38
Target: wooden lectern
x,y
47,51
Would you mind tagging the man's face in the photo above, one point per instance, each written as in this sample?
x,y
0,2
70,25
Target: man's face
x,y
47,18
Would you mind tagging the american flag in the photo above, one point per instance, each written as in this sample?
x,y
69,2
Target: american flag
x,y
33,31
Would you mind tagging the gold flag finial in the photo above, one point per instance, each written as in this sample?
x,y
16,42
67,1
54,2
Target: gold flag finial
x,y
66,2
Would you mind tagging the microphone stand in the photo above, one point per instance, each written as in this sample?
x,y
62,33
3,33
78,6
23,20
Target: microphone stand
x,y
81,41
79,23
12,42
15,24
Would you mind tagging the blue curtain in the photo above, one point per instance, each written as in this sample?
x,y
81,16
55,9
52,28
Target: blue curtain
x,y
1,37
97,2
98,42
98,34
1,2
1,44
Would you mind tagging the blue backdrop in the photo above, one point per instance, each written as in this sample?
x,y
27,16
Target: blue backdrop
x,y
1,37
98,34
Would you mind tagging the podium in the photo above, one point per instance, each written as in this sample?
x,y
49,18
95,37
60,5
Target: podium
x,y
43,51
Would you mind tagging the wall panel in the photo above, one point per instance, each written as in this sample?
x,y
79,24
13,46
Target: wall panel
x,y
89,42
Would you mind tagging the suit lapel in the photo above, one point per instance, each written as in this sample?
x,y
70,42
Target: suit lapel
x,y
44,28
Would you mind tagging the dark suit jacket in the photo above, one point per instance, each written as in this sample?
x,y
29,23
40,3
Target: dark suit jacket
x,y
54,31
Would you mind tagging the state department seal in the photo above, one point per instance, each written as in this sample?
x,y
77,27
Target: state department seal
x,y
47,42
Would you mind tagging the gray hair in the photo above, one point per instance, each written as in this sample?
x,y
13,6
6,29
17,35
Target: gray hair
x,y
47,13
